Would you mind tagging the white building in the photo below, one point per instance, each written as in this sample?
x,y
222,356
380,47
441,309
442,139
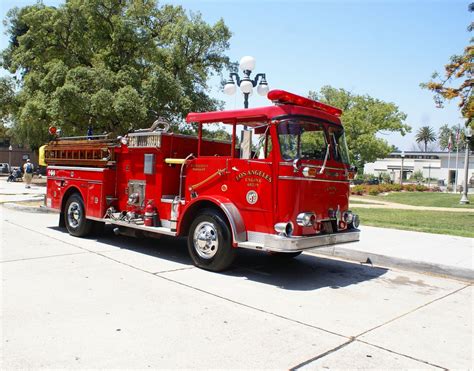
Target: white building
x,y
439,165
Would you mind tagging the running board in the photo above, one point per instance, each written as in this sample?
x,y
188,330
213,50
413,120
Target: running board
x,y
158,230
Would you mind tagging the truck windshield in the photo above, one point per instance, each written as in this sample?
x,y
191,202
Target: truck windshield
x,y
302,139
337,139
309,140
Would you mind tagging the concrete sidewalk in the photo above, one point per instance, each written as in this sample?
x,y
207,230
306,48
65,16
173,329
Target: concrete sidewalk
x,y
449,256
16,191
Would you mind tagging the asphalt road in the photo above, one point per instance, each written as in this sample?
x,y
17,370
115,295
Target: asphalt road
x,y
118,302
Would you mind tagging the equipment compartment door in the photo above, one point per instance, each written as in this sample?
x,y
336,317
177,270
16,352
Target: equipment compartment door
x,y
94,200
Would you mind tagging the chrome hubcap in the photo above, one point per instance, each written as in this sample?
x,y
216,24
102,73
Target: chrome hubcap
x,y
74,214
205,240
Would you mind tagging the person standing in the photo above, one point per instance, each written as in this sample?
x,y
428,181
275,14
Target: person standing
x,y
28,169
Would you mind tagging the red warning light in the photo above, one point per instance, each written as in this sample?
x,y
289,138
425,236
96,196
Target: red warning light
x,y
284,97
52,130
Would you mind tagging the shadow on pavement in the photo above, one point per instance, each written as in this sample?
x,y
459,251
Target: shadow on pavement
x,y
303,273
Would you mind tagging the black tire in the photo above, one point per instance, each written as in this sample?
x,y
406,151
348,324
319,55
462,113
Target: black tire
x,y
210,242
75,217
285,255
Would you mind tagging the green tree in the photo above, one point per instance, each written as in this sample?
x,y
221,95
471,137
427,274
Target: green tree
x,y
114,65
425,135
445,132
364,117
458,80
7,102
218,134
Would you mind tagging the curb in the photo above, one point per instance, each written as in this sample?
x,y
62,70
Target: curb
x,y
362,257
30,209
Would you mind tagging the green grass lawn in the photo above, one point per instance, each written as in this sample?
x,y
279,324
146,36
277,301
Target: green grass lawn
x,y
425,199
456,224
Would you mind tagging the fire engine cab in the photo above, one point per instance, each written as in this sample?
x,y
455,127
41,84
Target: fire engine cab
x,y
282,187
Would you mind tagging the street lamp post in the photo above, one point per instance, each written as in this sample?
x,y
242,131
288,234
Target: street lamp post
x,y
429,175
402,155
246,84
468,134
10,149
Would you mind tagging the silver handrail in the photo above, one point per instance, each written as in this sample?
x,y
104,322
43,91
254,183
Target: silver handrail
x,y
83,137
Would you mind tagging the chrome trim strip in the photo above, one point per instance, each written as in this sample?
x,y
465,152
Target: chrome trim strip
x,y
158,230
76,179
315,166
167,200
273,242
312,180
94,169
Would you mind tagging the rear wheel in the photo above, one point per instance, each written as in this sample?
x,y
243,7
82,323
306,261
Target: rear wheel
x,y
210,242
75,216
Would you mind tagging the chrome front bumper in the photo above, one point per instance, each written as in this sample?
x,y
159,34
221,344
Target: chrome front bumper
x,y
271,242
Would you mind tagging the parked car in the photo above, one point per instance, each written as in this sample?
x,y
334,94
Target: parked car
x,y
4,168
362,181
372,181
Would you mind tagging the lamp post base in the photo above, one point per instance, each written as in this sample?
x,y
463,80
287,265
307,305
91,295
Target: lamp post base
x,y
464,200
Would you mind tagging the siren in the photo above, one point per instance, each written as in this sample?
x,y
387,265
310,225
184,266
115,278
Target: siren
x,y
52,130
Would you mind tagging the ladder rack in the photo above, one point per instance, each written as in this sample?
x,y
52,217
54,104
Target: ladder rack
x,y
81,152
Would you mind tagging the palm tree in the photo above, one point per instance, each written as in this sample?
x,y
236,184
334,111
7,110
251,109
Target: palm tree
x,y
426,135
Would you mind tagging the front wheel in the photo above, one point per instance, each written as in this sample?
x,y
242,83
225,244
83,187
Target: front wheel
x,y
75,216
210,242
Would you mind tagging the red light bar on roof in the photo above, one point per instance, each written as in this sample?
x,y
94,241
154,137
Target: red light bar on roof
x,y
284,97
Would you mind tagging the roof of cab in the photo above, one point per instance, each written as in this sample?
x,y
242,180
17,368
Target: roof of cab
x,y
254,116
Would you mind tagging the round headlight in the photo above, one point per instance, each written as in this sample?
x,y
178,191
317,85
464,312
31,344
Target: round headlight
x,y
306,219
348,216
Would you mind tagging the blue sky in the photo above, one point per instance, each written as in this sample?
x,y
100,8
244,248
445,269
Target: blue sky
x,y
381,48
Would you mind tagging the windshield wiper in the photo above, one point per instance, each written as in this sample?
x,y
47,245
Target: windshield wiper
x,y
325,159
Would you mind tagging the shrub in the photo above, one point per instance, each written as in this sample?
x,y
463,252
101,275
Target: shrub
x,y
358,190
409,187
417,175
395,187
421,188
384,188
434,189
374,191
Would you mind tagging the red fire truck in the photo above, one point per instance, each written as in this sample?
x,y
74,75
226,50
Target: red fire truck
x,y
282,187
